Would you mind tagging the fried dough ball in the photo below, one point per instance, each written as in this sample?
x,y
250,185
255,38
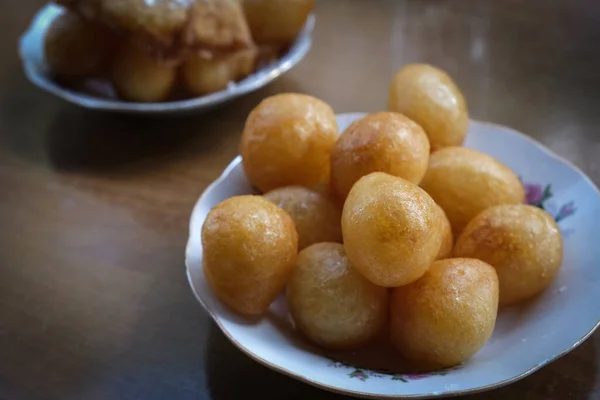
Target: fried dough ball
x,y
446,316
74,47
331,303
522,242
428,96
250,247
392,229
139,77
287,140
277,22
465,182
447,238
202,75
317,217
385,142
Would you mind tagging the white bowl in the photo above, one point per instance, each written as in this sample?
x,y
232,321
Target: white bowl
x,y
31,49
525,339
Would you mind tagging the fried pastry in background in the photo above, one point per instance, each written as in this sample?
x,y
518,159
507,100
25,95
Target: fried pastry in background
x,y
277,22
138,77
203,74
171,28
74,47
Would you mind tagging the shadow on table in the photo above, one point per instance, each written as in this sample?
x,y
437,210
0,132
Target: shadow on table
x,y
570,377
230,374
43,129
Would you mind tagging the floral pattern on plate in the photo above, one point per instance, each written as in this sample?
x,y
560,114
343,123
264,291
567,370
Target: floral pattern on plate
x,y
363,374
541,196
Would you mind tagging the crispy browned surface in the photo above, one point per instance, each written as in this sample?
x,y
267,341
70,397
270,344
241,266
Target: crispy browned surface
x,y
202,75
75,48
380,142
316,216
465,182
287,140
446,316
430,97
139,77
331,303
447,237
171,27
276,22
522,242
250,248
392,229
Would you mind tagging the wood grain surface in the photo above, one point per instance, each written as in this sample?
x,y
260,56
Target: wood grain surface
x,y
94,208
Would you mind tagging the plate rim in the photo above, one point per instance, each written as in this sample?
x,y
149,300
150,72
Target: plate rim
x,y
366,395
258,79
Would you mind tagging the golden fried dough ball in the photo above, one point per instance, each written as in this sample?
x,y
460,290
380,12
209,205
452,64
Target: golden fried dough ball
x,y
331,303
277,22
287,141
385,142
446,316
392,229
74,47
250,247
447,238
522,242
202,75
428,96
465,182
316,216
138,77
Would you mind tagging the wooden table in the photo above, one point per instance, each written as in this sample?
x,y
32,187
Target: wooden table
x,y
94,302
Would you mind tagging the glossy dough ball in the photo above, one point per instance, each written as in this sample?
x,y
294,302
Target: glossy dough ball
x,y
277,22
522,242
316,216
74,47
250,247
331,303
380,142
447,237
465,182
392,229
446,316
428,96
201,75
287,141
138,77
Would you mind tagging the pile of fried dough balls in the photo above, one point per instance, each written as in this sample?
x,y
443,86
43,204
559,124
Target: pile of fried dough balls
x,y
359,227
153,51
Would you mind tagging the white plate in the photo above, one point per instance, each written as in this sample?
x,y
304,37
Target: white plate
x,y
31,49
525,338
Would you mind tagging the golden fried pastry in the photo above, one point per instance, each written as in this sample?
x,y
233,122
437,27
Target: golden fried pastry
x,y
249,249
74,47
447,237
428,96
287,140
465,182
202,75
171,27
316,216
446,316
392,229
522,242
138,77
383,141
277,22
331,303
